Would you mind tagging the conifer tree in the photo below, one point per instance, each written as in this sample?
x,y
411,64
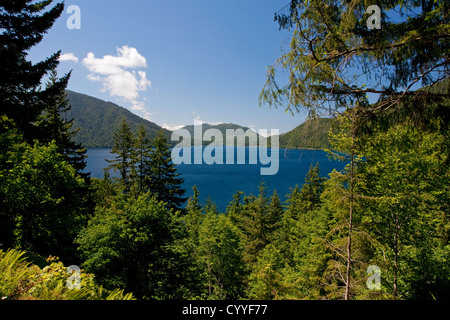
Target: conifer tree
x,y
164,180
312,189
53,125
273,217
23,24
253,225
194,216
142,150
124,150
336,58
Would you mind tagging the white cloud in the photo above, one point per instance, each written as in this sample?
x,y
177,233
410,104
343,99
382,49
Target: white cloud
x,y
68,57
117,78
199,121
171,127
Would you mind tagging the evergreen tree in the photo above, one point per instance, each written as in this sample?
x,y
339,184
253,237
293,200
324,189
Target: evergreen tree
x,y
124,160
221,253
23,24
194,216
335,59
53,126
312,189
142,159
164,181
274,214
406,200
253,225
345,140
234,209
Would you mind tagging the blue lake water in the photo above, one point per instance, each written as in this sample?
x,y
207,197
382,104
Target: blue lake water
x,y
219,182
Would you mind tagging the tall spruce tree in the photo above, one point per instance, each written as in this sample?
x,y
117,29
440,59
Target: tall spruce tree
x,y
164,180
53,124
142,147
23,24
124,160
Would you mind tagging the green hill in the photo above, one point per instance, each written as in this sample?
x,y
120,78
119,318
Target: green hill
x,y
312,134
223,129
98,119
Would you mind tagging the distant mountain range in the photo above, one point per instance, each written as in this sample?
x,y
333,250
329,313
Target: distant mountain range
x,y
98,119
236,137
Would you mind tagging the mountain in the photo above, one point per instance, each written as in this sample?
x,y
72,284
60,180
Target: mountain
x,y
240,136
98,119
312,134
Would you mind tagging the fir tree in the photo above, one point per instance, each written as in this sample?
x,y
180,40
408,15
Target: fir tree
x,y
124,161
53,125
23,24
142,159
164,180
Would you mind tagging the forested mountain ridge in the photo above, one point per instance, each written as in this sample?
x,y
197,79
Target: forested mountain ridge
x,y
98,119
241,137
311,134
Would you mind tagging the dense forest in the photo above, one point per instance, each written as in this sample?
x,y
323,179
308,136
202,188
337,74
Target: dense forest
x,y
97,120
379,229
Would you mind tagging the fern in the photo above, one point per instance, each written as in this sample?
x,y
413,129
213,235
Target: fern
x,y
14,271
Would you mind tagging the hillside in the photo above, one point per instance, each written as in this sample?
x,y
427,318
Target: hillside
x,y
223,129
312,134
98,119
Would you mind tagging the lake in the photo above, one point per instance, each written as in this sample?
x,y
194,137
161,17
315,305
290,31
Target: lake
x,y
219,182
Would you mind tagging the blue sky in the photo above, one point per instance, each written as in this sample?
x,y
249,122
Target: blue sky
x,y
171,61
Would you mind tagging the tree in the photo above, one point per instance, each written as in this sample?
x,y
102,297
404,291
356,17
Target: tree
x,y
52,125
253,225
164,180
220,251
126,245
124,161
345,140
23,24
406,203
40,199
312,189
194,216
335,60
274,214
142,159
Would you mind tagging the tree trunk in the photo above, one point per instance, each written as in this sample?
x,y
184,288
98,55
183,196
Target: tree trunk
x,y
350,222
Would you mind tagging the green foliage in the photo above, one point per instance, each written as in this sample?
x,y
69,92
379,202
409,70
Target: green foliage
x,y
163,179
407,189
39,199
22,26
334,60
22,281
124,161
312,134
53,125
220,251
124,245
97,121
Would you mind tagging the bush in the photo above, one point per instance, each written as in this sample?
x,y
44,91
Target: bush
x,y
20,280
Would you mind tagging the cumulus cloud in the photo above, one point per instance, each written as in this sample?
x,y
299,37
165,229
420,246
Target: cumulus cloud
x,y
68,57
171,127
120,76
198,120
